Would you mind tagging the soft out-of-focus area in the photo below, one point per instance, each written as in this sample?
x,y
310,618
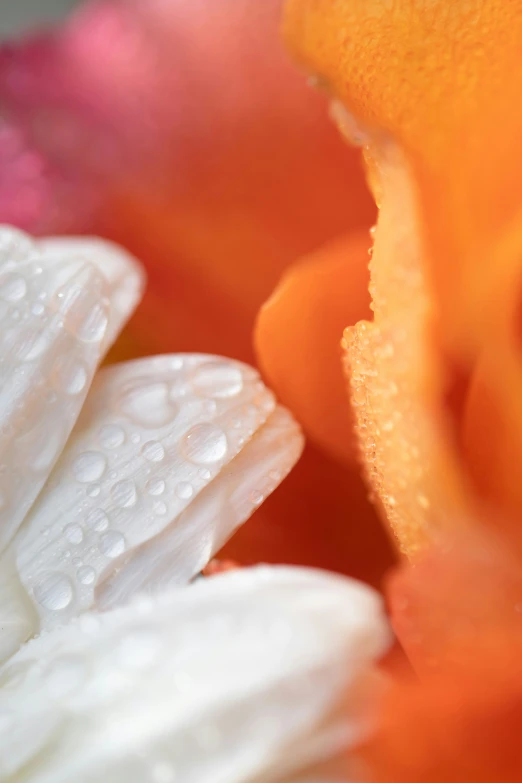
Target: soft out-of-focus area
x,y
181,130
19,15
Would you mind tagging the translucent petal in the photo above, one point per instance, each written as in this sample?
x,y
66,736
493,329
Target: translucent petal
x,y
59,312
170,455
258,672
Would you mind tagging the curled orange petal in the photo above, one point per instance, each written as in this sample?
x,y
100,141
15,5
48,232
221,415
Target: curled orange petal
x,y
298,338
438,82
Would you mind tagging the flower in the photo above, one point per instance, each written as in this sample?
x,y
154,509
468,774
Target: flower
x,y
435,376
114,496
191,140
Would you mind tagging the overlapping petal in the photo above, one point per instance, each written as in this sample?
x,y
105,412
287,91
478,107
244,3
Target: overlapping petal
x,y
234,677
169,455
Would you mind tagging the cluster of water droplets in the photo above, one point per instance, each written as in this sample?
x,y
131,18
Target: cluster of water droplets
x,y
153,434
56,322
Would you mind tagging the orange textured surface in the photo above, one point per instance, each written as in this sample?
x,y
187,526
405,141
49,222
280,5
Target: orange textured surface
x,y
298,338
443,79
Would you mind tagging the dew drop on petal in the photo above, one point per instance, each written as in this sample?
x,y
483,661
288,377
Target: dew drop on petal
x,y
89,466
155,486
217,379
12,287
94,490
111,436
184,490
148,405
69,375
54,591
74,534
112,544
86,575
153,451
204,444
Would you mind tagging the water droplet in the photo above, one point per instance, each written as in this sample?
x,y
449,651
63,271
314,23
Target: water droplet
x,y
94,490
12,287
155,486
86,575
153,451
184,490
204,444
148,404
97,520
204,473
256,497
85,313
74,534
38,308
160,508
89,466
111,436
54,591
28,343
217,379
124,494
69,375
112,544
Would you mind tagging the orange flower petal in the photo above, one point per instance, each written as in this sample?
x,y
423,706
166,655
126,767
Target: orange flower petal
x,y
458,613
439,81
454,729
299,333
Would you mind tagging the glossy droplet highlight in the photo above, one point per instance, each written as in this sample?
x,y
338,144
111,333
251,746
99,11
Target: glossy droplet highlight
x,y
85,314
204,444
74,534
184,490
89,466
86,575
111,436
12,287
217,379
148,404
124,494
153,451
69,375
54,591
155,486
112,544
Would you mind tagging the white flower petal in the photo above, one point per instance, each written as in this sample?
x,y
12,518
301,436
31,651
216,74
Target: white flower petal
x,y
169,456
257,674
59,313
